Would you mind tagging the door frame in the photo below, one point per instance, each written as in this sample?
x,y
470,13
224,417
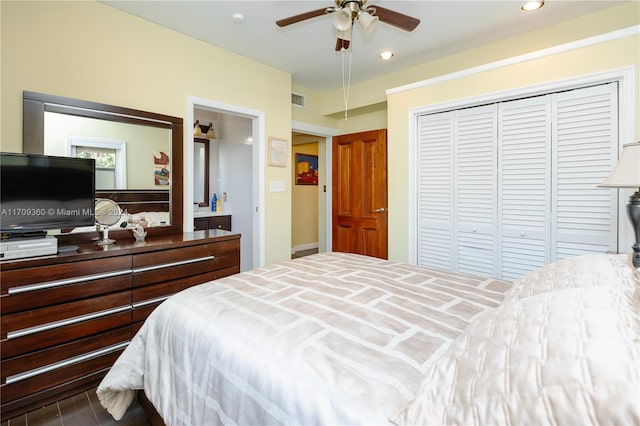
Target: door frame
x,y
328,133
258,163
625,77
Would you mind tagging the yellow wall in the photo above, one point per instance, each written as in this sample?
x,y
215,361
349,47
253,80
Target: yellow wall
x,y
304,204
91,51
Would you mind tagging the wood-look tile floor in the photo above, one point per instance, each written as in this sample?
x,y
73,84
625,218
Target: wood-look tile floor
x,y
80,410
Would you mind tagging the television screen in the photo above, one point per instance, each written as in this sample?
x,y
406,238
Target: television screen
x,y
39,192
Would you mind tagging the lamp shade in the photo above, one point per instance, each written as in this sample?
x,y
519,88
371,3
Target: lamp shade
x,y
626,173
342,19
367,21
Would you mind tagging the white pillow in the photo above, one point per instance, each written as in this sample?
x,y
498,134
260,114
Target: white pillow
x,y
579,271
570,357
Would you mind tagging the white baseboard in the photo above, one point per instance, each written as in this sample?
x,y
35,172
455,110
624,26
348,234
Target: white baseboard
x,y
303,247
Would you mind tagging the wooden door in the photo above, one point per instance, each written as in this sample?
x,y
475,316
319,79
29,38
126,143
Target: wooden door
x,y
360,193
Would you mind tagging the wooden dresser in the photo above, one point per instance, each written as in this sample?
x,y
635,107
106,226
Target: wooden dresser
x,y
66,318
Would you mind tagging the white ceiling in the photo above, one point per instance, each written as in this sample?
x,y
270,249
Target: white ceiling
x,y
306,49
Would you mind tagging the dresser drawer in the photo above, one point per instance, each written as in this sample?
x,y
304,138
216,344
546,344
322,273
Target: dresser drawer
x,y
38,362
150,268
55,293
93,362
63,273
40,328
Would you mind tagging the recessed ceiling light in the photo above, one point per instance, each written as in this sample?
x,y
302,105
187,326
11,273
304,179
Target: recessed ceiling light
x,y
386,55
238,17
530,6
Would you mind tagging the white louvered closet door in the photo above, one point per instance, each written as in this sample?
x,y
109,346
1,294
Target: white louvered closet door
x,y
585,150
506,188
524,185
435,191
475,170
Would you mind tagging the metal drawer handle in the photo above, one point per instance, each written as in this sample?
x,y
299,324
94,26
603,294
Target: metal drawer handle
x,y
169,265
150,301
58,283
65,322
66,362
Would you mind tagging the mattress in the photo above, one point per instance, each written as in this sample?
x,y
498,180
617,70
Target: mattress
x,y
332,338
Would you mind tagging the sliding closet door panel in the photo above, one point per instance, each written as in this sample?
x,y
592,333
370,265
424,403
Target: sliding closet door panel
x,y
435,191
584,152
475,171
524,185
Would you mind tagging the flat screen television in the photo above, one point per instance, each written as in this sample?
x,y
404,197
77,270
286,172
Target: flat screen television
x,y
41,192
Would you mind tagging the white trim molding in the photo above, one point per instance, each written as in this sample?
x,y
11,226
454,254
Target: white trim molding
x,y
562,48
258,160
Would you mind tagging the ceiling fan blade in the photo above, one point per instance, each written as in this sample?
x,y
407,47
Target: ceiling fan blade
x,y
396,19
303,16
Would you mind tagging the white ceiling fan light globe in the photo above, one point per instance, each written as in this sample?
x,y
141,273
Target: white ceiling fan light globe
x,y
342,20
367,21
345,35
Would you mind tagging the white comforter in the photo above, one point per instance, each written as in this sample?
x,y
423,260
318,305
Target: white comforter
x,y
332,338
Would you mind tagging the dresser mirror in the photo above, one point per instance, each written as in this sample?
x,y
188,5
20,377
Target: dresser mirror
x,y
140,158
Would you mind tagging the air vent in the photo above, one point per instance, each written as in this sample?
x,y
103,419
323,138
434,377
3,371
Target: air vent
x,y
297,99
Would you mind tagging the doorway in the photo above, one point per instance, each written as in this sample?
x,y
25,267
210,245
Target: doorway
x,y
359,213
307,195
237,163
322,135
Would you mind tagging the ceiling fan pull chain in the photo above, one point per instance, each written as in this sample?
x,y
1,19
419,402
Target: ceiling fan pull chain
x,y
345,88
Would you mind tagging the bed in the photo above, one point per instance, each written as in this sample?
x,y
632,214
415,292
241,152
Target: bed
x,y
339,338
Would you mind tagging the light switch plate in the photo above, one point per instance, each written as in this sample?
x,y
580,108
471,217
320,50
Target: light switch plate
x,y
277,186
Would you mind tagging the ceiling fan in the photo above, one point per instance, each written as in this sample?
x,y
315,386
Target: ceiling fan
x,y
346,12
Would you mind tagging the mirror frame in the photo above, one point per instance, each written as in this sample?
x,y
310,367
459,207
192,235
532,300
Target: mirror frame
x,y
205,142
36,104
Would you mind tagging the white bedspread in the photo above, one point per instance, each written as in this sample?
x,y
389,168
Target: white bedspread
x,y
332,338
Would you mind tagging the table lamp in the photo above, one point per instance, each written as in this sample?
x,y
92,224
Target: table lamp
x,y
626,174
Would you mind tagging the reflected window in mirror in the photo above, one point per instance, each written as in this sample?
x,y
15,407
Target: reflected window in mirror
x,y
110,158
201,172
135,145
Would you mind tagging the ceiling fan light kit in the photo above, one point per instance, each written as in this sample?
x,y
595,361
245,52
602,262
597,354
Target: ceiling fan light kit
x,y
367,21
344,14
346,11
342,20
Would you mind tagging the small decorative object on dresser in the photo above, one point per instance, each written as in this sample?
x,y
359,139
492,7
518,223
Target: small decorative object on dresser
x,y
108,213
139,233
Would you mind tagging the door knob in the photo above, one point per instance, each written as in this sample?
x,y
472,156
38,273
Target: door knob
x,y
380,210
